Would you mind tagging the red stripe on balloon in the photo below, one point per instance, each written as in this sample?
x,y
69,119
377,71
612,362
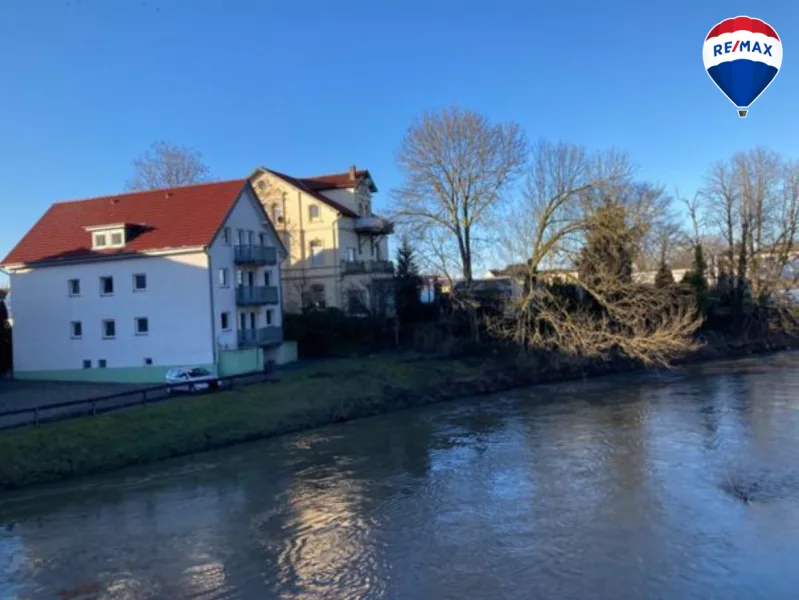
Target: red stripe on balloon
x,y
742,24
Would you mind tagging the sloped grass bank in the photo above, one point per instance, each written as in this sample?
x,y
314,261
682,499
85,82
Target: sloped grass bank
x,y
334,391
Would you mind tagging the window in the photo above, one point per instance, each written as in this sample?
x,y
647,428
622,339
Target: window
x,y
142,326
253,320
317,295
251,238
225,321
239,277
268,317
226,235
224,280
116,239
109,329
267,278
74,287
76,328
139,282
87,364
350,254
106,286
101,363
317,258
240,233
243,321
148,362
100,240
356,301
262,239
377,251
313,212
277,213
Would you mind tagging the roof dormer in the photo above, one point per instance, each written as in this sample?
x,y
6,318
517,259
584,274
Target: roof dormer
x,y
110,236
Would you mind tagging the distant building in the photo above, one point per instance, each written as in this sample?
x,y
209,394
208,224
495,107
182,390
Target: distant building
x,y
337,247
124,287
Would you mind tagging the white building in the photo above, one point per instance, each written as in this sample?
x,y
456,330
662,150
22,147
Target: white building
x,y
122,288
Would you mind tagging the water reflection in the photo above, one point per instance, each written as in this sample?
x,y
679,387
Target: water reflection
x,y
670,485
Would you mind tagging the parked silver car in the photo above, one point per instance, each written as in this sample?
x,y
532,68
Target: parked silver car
x,y
191,379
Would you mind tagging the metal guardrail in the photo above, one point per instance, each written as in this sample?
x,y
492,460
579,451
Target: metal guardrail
x,y
256,294
61,411
255,255
262,336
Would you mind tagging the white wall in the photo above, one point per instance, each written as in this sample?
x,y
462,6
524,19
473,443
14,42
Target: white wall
x,y
176,304
246,215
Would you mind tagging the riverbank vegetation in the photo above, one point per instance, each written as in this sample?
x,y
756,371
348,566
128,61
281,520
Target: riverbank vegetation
x,y
591,247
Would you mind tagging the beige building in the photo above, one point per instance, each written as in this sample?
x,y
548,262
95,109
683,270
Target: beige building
x,y
337,247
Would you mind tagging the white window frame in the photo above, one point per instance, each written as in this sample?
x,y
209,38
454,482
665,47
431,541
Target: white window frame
x,y
352,254
135,287
136,329
116,244
314,213
226,236
69,288
269,316
224,277
102,285
104,332
100,236
72,334
222,317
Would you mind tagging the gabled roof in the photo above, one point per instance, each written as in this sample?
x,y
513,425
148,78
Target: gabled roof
x,y
304,186
340,180
162,220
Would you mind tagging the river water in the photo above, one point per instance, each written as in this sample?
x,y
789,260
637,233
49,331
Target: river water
x,y
672,485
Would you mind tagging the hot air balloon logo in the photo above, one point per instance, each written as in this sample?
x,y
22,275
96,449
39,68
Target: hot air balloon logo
x,y
742,55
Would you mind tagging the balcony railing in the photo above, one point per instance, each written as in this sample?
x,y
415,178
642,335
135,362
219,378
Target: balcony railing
x,y
258,294
255,255
373,225
355,267
263,336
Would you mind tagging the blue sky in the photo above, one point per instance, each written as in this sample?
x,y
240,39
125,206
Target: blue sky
x,y
313,86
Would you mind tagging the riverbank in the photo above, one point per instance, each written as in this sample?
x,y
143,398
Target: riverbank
x,y
330,392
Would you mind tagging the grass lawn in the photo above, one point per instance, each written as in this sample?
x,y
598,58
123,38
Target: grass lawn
x,y
318,394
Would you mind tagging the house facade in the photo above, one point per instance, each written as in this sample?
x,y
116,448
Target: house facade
x,y
123,288
337,247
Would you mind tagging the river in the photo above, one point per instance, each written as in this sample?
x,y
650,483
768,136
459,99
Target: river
x,y
675,485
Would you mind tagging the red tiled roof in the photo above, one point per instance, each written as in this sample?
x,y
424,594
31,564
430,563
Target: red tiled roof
x,y
335,180
164,219
305,186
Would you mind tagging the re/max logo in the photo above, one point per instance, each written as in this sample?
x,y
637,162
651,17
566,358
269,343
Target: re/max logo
x,y
740,46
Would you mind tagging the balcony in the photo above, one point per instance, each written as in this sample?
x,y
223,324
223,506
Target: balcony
x,y
255,255
263,336
257,295
373,225
358,267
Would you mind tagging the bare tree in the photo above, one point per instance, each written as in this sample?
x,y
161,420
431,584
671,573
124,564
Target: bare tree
x,y
546,228
166,165
752,201
456,165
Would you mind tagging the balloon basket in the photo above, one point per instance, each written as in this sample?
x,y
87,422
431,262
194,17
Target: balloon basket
x,y
742,112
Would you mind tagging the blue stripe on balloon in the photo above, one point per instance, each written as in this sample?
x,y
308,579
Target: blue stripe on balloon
x,y
742,80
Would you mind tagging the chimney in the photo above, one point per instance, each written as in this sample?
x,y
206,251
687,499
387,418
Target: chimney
x,y
352,172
